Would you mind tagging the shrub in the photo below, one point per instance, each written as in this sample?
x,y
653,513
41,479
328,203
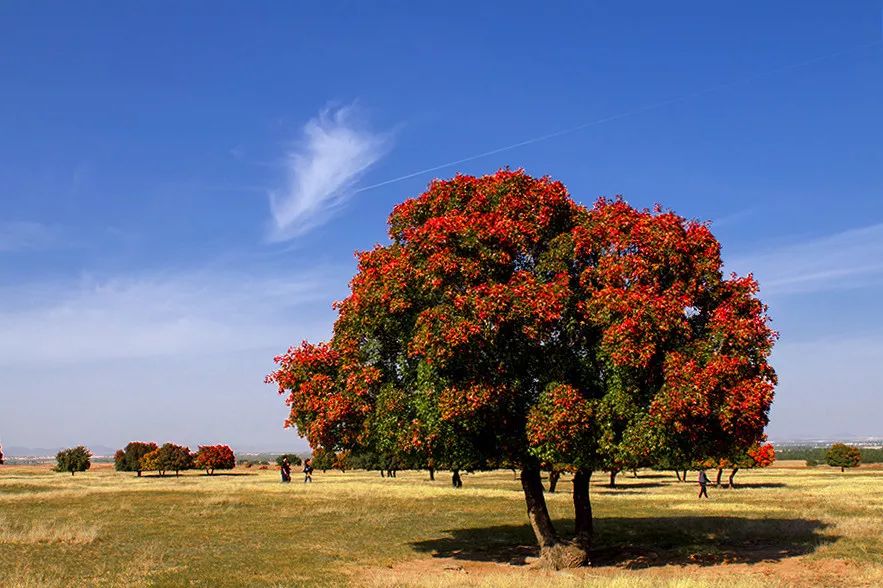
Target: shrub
x,y
75,459
811,463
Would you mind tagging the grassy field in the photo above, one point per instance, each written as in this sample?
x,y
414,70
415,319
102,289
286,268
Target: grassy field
x,y
783,526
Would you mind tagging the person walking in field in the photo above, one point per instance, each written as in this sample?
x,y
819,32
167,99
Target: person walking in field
x,y
703,484
286,470
308,471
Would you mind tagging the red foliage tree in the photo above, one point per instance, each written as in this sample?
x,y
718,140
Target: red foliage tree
x,y
214,457
505,323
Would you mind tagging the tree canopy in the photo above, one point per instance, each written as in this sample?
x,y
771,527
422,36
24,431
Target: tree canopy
x,y
504,322
169,457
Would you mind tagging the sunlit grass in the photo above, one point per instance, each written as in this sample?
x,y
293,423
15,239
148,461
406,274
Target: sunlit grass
x,y
780,527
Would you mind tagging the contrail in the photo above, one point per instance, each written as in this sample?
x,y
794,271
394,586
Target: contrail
x,y
640,109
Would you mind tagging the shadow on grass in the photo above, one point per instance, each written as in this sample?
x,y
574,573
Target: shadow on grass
x,y
755,485
646,542
627,486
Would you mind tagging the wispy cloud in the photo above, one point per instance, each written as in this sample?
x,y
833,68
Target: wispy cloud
x,y
323,168
142,316
22,235
848,259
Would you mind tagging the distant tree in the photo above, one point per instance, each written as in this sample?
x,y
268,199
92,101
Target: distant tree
x,y
811,463
323,459
341,461
293,459
168,458
75,459
214,457
1,455
843,456
129,459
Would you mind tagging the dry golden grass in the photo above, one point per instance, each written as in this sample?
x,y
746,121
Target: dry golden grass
x,y
781,527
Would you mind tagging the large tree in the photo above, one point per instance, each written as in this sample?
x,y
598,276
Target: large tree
x,y
506,323
129,458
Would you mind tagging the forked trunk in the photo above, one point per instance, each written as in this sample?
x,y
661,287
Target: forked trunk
x,y
554,554
733,475
678,474
554,476
634,473
720,472
582,508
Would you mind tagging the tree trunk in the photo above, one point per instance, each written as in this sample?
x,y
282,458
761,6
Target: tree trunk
x,y
554,554
514,474
733,475
456,481
634,473
582,508
72,472
139,473
613,478
678,474
685,475
381,474
842,469
554,476
720,472
432,474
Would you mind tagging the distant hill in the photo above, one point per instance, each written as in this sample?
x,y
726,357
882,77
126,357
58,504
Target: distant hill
x,y
15,451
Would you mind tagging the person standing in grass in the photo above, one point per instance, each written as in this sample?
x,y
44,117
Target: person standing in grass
x,y
286,470
308,471
703,484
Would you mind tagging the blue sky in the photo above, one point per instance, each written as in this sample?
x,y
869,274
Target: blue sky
x,y
182,186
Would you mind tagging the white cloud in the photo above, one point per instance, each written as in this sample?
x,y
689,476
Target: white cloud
x,y
849,259
322,171
162,315
19,236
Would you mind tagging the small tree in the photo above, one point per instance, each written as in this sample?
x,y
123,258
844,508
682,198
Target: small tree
x,y
1,455
843,456
129,459
215,457
169,457
342,461
292,459
323,459
75,459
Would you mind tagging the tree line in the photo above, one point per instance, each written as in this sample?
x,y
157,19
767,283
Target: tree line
x,y
819,455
